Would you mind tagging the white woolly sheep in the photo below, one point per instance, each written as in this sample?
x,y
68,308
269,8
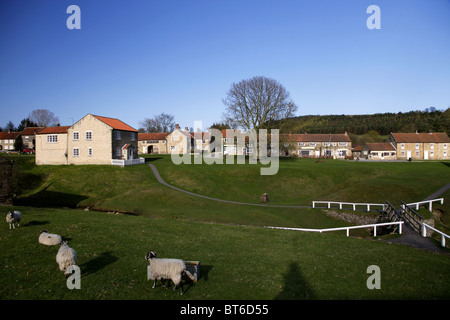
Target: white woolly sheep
x,y
49,239
172,269
12,217
66,257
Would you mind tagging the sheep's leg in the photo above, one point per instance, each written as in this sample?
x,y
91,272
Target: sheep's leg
x,y
10,226
154,284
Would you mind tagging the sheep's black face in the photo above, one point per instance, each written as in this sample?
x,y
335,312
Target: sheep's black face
x,y
150,255
11,214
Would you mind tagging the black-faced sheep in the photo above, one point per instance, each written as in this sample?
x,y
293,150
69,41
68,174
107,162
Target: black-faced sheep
x,y
66,257
49,239
172,269
12,217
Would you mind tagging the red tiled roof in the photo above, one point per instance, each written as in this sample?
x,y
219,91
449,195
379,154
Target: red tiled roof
x,y
54,130
31,130
115,123
9,135
152,136
380,147
421,137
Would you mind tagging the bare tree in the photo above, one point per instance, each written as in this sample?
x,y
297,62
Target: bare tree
x,y
258,103
43,118
160,123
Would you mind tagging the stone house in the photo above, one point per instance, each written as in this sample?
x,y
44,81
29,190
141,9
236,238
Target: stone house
x,y
152,143
7,140
29,137
91,140
180,141
6,181
379,151
337,146
421,146
51,146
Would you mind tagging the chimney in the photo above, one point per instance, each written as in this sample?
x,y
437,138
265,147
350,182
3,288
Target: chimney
x,y
186,129
346,133
177,126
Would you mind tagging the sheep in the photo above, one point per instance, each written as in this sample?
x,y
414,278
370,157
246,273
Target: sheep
x,y
172,269
49,239
66,257
12,217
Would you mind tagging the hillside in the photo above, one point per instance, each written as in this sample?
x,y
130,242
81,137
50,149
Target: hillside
x,y
383,123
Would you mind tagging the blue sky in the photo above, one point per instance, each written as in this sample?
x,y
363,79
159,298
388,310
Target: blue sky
x,y
135,59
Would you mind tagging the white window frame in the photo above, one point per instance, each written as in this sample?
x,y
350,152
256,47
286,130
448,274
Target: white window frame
x,y
52,138
417,146
90,151
76,152
133,136
342,144
89,135
76,136
402,146
118,136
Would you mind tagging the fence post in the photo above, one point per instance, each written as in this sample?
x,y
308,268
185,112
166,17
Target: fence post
x,y
314,204
424,230
374,231
443,241
400,228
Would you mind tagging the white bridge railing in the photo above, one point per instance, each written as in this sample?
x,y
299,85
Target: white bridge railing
x,y
429,202
374,225
123,163
352,204
443,235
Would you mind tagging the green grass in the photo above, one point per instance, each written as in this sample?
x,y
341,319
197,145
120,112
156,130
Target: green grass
x,y
237,262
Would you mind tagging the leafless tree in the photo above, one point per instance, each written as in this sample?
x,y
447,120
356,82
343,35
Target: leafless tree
x,y
258,103
43,118
160,123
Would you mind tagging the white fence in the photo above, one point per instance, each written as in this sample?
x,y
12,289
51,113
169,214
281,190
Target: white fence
x,y
123,163
443,235
375,225
429,202
353,205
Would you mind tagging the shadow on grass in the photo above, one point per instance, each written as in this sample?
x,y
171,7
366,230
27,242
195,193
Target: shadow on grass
x,y
46,198
98,263
295,287
36,223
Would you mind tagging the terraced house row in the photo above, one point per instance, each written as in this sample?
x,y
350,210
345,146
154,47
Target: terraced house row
x,y
103,140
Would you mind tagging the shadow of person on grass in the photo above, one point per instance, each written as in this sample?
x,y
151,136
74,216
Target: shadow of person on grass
x,y
98,263
295,286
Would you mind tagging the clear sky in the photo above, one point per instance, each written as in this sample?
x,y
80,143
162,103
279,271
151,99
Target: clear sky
x,y
134,59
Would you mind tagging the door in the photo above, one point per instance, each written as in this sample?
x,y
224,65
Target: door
x,y
425,155
408,155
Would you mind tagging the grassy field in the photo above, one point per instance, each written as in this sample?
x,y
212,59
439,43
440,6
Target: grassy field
x,y
237,262
239,259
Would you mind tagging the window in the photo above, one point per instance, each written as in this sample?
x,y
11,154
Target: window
x,y
117,135
88,135
403,146
313,144
417,153
431,153
385,154
326,144
403,153
445,146
90,152
342,144
52,138
172,148
431,146
118,152
301,144
76,152
445,153
76,135
133,136
417,146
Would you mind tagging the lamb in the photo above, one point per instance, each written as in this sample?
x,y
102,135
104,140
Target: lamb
x,y
12,217
49,239
66,257
172,269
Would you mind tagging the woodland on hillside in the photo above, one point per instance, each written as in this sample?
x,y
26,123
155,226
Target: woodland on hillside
x,y
429,120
